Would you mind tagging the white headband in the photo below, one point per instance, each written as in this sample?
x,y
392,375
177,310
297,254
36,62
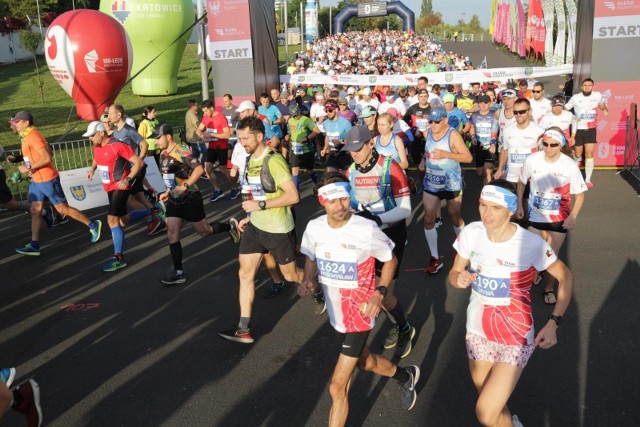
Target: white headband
x,y
500,196
555,135
335,190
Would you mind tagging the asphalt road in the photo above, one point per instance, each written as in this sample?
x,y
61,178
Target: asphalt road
x,y
120,349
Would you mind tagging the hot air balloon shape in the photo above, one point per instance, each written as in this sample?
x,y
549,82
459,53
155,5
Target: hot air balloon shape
x,y
90,56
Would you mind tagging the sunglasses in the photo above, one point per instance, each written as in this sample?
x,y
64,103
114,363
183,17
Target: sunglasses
x,y
329,109
519,112
435,121
554,145
536,91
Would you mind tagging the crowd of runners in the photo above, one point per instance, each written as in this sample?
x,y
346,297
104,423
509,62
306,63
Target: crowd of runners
x,y
374,148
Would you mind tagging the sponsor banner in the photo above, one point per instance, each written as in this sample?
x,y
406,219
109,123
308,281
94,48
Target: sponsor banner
x,y
617,7
612,129
83,194
454,77
616,27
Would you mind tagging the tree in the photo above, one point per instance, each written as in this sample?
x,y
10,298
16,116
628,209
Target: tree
x,y
30,40
427,8
426,23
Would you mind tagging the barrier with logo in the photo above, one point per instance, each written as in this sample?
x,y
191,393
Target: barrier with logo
x,y
632,145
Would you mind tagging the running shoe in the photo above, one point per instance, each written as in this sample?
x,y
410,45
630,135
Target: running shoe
x,y
392,338
275,289
589,185
95,231
153,226
516,422
217,195
48,216
405,342
7,375
408,389
438,222
234,193
235,230
60,220
435,264
30,403
174,278
237,335
114,264
321,304
160,210
28,250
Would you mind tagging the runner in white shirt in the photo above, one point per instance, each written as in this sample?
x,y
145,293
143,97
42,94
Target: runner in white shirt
x,y
553,178
341,250
561,118
367,100
504,115
586,105
498,260
539,104
519,141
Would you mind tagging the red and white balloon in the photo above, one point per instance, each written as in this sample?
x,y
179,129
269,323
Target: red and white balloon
x,y
90,56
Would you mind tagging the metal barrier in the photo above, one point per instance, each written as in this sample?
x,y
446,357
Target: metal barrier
x,y
632,143
67,155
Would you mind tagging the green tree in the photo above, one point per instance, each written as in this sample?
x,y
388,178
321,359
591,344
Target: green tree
x,y
31,40
426,9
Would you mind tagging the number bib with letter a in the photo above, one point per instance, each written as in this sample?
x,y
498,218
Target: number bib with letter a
x,y
338,268
548,203
491,287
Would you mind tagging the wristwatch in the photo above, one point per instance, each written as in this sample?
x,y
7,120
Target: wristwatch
x,y
128,179
186,185
262,204
557,319
382,290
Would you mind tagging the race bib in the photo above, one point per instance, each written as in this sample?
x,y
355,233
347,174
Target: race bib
x,y
589,116
491,287
103,172
257,192
436,178
169,180
548,203
422,124
337,268
518,156
297,148
210,130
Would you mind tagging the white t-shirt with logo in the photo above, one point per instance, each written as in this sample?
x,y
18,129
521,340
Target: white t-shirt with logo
x,y
345,258
551,187
586,109
500,304
565,121
519,143
539,108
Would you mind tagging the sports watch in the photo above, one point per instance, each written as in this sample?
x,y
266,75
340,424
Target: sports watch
x,y
262,204
557,319
382,290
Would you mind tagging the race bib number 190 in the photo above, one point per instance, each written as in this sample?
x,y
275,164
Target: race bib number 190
x,y
491,290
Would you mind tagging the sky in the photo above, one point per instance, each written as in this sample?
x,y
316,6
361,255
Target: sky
x,y
451,9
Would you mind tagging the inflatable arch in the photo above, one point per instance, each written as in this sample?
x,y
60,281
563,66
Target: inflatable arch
x,y
366,10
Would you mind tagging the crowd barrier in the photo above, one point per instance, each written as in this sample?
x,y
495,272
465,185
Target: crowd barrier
x,y
632,143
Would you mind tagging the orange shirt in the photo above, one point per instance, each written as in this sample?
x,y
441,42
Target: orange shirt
x,y
32,141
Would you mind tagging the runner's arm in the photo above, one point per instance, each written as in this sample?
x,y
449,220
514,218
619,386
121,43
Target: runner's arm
x,y
546,338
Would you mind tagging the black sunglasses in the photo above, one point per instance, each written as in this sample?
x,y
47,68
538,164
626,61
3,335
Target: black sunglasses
x,y
435,121
536,91
554,145
519,112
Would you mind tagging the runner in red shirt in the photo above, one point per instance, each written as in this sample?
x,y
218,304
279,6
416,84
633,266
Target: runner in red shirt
x,y
214,130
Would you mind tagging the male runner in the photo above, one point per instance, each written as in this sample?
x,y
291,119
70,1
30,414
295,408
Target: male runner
x,y
269,227
214,130
484,131
183,201
539,104
586,105
45,183
336,129
444,151
380,192
342,250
